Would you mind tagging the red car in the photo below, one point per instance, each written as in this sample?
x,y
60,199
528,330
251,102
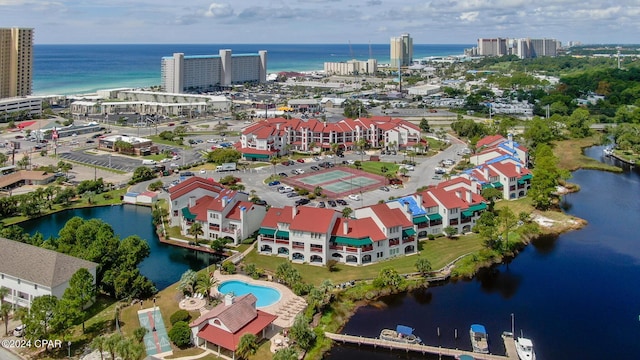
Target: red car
x,y
171,124
285,163
300,160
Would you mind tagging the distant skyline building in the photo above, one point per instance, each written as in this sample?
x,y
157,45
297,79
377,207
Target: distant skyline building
x,y
524,48
16,62
352,67
188,73
401,51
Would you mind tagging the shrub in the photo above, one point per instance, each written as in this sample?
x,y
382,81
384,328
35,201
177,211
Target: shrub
x,y
180,334
431,237
180,315
139,334
229,267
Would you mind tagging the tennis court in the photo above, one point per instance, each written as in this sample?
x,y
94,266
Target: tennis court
x,y
338,182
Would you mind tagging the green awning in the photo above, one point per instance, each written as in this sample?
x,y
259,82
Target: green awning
x,y
420,219
187,214
497,184
487,185
256,156
408,232
265,231
434,217
478,207
521,182
282,234
351,242
526,177
467,213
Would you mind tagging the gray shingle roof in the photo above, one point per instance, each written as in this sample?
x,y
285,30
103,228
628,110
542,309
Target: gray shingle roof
x,y
40,266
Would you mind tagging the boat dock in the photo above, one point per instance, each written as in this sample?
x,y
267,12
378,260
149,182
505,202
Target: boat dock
x,y
426,349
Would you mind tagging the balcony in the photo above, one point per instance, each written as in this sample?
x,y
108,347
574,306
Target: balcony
x,y
299,247
408,240
394,242
229,230
465,220
435,223
351,249
266,239
278,241
367,248
453,222
214,227
316,249
423,225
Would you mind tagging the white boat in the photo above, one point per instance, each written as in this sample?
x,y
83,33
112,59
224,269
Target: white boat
x,y
479,339
607,151
524,348
403,334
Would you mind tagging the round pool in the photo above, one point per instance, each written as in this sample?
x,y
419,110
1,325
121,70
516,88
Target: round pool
x,y
266,296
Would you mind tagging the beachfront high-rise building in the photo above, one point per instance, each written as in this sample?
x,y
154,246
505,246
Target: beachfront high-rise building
x,y
16,62
352,67
401,51
193,73
524,48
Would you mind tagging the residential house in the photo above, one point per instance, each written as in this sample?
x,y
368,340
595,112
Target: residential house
x,y
30,271
224,325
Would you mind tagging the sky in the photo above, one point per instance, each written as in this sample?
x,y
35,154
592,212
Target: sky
x,y
321,21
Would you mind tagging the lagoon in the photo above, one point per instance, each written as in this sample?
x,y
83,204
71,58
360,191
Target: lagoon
x,y
165,264
575,295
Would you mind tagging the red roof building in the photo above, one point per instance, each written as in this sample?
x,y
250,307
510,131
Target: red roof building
x,y
224,325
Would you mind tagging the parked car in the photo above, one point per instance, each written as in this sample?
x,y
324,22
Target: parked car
x,y
321,204
274,183
342,202
291,162
332,203
315,168
283,174
345,162
341,155
302,201
19,331
294,171
316,158
285,163
384,188
260,202
292,194
300,160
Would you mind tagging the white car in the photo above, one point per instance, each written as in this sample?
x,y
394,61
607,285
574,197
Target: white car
x,y
351,162
409,167
203,171
212,141
300,171
354,197
19,331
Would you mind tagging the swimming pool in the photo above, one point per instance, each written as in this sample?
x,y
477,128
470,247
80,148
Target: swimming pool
x,y
266,296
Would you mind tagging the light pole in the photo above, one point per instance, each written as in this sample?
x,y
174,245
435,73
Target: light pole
x,y
69,348
154,314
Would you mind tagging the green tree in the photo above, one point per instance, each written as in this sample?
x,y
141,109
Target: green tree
x,y
81,291
188,282
24,162
3,159
287,274
424,125
5,311
388,277
98,343
362,144
219,244
195,230
546,176
487,227
142,173
578,123
111,344
38,321
180,334
204,284
301,333
346,212
491,194
247,346
223,155
423,266
450,231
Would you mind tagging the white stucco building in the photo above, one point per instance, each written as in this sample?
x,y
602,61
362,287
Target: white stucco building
x,y
30,271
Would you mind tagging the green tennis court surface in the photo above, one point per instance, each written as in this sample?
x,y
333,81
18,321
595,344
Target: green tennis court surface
x,y
338,182
155,342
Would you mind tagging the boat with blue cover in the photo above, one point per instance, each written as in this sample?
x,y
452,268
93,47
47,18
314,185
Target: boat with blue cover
x,y
479,339
402,333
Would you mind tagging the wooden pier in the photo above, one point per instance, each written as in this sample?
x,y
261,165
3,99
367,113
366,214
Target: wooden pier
x,y
426,349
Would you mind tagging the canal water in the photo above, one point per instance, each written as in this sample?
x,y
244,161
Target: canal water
x,y
577,296
165,264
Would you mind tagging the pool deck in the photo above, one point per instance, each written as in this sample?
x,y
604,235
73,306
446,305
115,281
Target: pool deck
x,y
285,309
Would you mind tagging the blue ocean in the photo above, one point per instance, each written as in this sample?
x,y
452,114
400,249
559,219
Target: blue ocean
x,y
74,69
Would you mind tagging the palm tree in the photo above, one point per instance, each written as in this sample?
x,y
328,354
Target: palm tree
x,y
5,310
111,344
98,343
361,143
274,161
204,284
188,281
311,146
334,150
248,346
195,229
346,212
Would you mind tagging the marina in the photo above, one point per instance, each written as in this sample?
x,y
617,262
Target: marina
x,y
509,345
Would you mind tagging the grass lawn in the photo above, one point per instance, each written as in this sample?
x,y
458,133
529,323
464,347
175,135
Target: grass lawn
x,y
156,157
158,140
570,153
439,252
374,167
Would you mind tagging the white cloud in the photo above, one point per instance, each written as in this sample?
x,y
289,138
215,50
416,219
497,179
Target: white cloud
x,y
216,10
470,16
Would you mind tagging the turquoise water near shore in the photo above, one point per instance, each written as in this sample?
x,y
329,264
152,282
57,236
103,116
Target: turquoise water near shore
x,y
75,69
